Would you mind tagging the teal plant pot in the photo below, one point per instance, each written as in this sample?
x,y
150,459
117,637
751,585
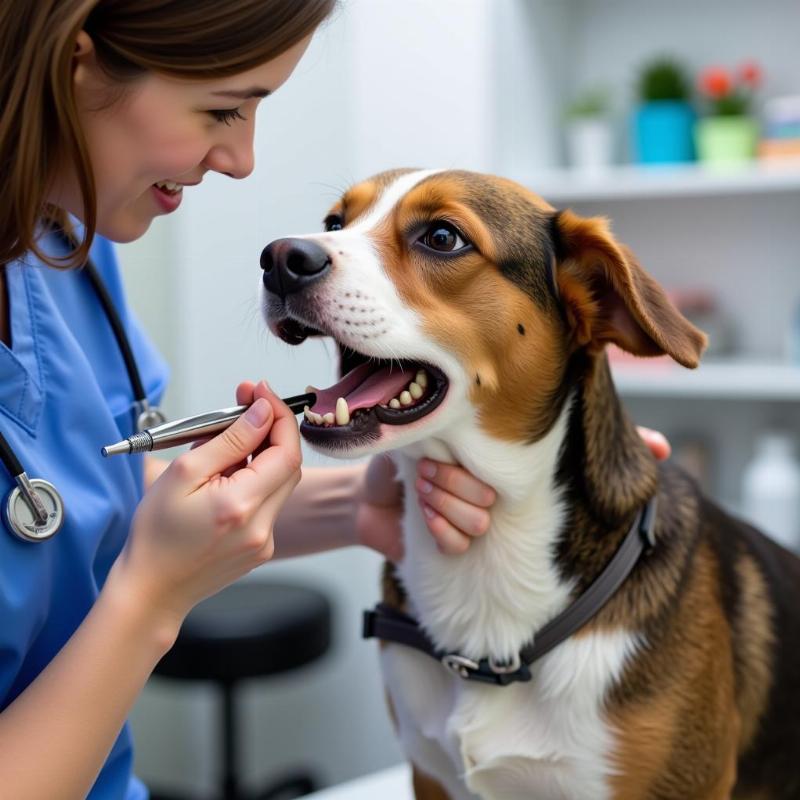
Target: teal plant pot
x,y
726,140
663,132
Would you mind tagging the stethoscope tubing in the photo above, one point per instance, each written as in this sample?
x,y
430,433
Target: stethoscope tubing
x,y
119,331
9,458
39,497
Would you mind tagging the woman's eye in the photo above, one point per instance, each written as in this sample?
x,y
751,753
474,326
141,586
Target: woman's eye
x,y
226,115
333,223
444,238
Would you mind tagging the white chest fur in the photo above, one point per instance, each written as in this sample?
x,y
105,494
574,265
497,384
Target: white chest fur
x,y
547,738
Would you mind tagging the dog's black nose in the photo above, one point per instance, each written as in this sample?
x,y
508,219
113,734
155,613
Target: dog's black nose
x,y
292,264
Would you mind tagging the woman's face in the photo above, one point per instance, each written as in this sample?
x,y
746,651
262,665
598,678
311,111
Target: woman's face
x,y
162,134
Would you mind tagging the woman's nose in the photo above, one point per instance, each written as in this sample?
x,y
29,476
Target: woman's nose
x,y
233,157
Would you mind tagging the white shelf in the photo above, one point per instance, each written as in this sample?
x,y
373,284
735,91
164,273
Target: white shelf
x,y
733,380
390,784
630,182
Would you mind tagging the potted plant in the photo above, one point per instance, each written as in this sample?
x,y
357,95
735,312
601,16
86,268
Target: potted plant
x,y
729,133
589,137
664,119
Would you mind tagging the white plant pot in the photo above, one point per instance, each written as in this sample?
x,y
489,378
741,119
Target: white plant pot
x,y
590,144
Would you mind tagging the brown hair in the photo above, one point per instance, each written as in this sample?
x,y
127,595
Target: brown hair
x,y
39,126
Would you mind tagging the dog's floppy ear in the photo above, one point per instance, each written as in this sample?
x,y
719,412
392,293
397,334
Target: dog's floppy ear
x,y
608,297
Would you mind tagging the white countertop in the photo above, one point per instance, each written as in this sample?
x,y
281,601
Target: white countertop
x,y
390,784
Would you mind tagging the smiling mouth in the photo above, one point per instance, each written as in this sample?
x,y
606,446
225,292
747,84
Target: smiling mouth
x,y
169,187
371,393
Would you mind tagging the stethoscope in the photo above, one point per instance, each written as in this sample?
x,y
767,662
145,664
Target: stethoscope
x,y
34,509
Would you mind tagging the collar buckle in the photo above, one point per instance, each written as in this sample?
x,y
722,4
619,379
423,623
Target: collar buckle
x,y
460,665
487,670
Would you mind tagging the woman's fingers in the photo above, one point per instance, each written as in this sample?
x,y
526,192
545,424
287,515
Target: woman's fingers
x,y
455,504
244,393
283,434
230,447
272,465
657,442
448,538
465,516
456,481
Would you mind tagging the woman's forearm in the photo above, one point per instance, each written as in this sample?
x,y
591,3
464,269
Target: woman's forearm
x,y
55,737
321,512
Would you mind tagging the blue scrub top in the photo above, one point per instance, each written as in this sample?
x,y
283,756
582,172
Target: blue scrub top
x,y
64,393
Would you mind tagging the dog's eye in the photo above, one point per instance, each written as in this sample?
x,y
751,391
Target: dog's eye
x,y
333,222
444,238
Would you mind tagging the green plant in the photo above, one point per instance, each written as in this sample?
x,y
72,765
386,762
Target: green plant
x,y
592,102
664,79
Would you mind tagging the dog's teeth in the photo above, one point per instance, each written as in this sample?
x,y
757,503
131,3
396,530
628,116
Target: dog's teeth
x,y
415,390
342,412
307,413
394,403
421,379
328,418
311,389
317,418
406,399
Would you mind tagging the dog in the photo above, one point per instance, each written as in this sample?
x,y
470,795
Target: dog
x,y
471,319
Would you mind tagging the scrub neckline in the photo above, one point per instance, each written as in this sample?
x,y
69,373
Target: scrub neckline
x,y
21,371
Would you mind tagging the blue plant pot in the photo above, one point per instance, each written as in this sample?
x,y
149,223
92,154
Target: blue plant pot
x,y
663,132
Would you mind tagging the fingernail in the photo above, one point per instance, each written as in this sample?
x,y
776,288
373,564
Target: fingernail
x,y
429,512
424,486
258,412
427,468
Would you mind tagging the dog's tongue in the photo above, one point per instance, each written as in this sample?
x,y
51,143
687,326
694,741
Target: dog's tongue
x,y
364,387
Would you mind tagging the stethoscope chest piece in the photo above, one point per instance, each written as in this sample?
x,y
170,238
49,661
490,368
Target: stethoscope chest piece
x,y
21,519
34,510
148,417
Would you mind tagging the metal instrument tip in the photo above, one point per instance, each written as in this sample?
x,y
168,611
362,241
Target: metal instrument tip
x,y
120,448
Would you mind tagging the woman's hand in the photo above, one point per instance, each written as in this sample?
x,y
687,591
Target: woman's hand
x,y
208,519
657,442
456,505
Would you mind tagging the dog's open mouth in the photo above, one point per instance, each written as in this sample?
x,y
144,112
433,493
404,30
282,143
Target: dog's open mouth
x,y
372,391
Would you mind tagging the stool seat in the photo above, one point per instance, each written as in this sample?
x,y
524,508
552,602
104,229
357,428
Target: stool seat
x,y
250,630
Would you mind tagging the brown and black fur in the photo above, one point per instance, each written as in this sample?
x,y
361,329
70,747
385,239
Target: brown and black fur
x,y
710,706
714,699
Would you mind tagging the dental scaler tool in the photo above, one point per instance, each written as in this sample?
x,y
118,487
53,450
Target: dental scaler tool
x,y
190,429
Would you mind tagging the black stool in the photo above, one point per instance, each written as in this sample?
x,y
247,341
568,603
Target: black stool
x,y
249,630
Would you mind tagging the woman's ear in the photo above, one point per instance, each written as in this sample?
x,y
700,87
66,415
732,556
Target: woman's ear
x,y
84,60
608,297
83,44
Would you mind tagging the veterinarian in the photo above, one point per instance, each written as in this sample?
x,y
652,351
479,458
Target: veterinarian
x,y
110,109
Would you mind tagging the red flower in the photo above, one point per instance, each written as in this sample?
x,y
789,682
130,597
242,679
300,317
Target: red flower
x,y
750,74
715,82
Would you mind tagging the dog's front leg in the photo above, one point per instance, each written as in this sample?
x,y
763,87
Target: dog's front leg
x,y
426,788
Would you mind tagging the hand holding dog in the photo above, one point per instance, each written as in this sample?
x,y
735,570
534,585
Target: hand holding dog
x,y
457,506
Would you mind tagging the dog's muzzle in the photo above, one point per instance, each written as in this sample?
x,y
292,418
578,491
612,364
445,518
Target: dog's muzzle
x,y
291,265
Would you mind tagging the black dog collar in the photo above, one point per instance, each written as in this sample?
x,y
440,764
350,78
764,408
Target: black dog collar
x,y
390,625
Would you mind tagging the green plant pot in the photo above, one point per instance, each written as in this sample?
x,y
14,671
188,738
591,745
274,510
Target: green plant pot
x,y
726,140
